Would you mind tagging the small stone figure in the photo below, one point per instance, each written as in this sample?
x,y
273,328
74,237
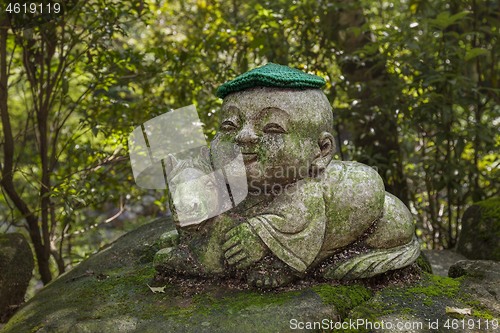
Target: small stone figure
x,y
304,210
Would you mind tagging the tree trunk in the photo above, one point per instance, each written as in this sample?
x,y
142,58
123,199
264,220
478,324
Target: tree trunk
x,y
7,170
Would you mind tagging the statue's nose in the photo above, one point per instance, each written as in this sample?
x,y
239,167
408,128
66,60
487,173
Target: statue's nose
x,y
247,136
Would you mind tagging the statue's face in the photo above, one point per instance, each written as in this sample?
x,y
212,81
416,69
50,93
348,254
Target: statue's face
x,y
276,132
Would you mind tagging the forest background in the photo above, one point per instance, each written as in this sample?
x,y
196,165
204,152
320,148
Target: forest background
x,y
414,85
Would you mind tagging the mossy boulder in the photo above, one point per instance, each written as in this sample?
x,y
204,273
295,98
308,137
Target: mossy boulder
x,y
480,236
422,307
110,292
16,269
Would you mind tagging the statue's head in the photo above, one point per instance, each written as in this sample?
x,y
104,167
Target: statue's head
x,y
282,123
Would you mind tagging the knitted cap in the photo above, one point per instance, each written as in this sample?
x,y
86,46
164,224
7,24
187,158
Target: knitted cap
x,y
271,75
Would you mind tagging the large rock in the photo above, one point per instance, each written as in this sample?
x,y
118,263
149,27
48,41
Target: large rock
x,y
109,292
16,269
480,236
422,307
483,277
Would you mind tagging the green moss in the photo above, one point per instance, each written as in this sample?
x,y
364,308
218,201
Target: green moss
x,y
424,263
428,302
439,286
483,314
490,208
149,253
344,298
205,304
36,328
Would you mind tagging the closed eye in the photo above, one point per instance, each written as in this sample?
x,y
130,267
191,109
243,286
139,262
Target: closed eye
x,y
228,125
274,129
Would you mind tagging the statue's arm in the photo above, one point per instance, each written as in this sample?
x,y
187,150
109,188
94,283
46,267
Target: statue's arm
x,y
243,246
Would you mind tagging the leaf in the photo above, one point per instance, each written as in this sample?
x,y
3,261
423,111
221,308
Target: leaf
x,y
465,311
80,200
49,193
257,42
273,24
444,19
157,289
474,53
443,16
356,30
457,16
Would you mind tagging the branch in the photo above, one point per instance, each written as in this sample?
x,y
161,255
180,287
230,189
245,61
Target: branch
x,y
98,166
112,218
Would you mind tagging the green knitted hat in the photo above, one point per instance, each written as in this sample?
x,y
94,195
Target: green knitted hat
x,y
271,75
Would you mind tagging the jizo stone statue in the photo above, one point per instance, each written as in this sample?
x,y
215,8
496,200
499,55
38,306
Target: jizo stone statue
x,y
304,211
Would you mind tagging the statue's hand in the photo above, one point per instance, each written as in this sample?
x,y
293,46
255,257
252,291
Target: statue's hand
x,y
243,247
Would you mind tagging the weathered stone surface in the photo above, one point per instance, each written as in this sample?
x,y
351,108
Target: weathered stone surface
x,y
442,260
109,292
483,281
472,284
97,287
16,269
480,236
395,227
375,262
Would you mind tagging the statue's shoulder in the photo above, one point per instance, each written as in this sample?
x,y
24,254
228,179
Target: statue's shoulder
x,y
353,173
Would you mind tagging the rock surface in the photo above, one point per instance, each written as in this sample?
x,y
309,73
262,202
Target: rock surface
x,y
480,236
16,269
442,260
472,285
109,292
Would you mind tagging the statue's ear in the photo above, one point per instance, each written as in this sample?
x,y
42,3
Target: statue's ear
x,y
205,153
326,144
170,163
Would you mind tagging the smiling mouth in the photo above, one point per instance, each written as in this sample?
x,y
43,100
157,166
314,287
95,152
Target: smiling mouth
x,y
249,157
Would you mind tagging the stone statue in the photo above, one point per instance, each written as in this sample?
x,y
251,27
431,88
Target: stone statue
x,y
304,211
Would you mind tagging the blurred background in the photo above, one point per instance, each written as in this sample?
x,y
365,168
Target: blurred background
x,y
414,87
